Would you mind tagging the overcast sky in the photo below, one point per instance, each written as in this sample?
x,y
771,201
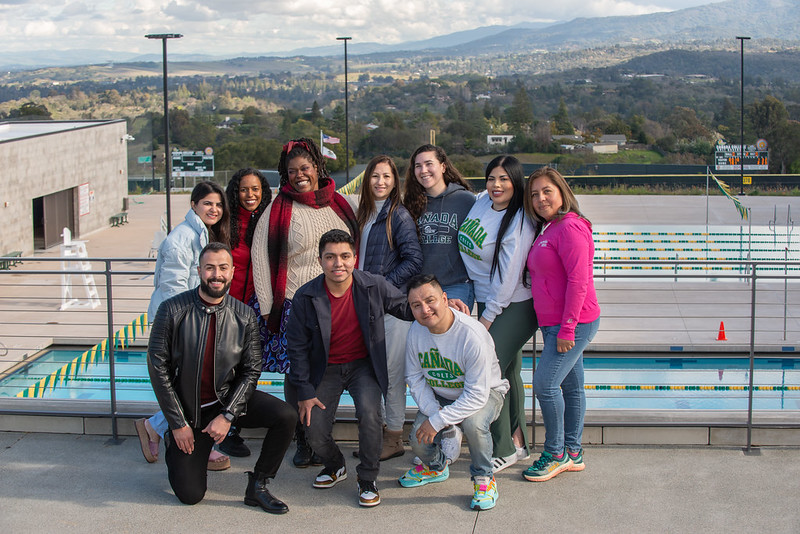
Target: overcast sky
x,y
228,27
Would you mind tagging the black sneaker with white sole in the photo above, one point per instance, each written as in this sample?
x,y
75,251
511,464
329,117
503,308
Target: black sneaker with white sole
x,y
368,493
328,478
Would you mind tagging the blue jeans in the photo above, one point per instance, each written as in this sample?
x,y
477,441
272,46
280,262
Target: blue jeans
x,y
475,428
159,423
558,384
358,378
464,291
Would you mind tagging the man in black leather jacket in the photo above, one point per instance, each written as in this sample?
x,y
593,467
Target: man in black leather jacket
x,y
204,359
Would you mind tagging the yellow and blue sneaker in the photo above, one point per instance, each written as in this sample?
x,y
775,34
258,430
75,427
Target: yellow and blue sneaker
x,y
485,496
419,475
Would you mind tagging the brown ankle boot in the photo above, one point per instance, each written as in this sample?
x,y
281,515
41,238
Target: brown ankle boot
x,y
392,444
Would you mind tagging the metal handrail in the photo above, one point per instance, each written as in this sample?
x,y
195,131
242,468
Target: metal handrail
x,y
752,274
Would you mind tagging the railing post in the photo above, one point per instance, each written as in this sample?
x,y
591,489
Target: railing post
x,y
748,449
111,374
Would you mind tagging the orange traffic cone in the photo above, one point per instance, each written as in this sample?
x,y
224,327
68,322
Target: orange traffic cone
x,y
721,335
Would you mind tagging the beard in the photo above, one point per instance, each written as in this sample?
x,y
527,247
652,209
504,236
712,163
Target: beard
x,y
215,293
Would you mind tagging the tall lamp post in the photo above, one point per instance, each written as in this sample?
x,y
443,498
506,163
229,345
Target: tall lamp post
x,y
741,115
346,113
167,155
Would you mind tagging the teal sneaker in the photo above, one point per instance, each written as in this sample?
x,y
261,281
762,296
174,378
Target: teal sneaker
x,y
485,496
577,461
419,475
546,467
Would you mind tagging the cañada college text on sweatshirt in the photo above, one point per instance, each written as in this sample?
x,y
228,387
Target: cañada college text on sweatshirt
x,y
459,365
561,267
438,234
477,240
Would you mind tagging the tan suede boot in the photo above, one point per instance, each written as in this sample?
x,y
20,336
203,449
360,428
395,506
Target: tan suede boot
x,y
392,444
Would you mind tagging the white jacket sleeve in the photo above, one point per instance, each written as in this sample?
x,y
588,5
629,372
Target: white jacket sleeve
x,y
511,261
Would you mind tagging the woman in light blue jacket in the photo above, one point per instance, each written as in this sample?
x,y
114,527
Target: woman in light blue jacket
x,y
176,266
176,272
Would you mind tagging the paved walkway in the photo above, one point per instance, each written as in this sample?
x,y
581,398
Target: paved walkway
x,y
71,483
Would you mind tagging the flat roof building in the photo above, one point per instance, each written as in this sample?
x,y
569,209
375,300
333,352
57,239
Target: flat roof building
x,y
59,174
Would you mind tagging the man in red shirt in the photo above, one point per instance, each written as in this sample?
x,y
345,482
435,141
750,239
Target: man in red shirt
x,y
335,338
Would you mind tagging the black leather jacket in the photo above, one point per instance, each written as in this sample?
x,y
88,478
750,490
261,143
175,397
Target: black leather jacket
x,y
175,356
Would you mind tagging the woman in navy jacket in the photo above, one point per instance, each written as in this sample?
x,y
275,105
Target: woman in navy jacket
x,y
389,247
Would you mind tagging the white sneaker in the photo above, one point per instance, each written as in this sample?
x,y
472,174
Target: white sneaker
x,y
498,464
522,454
451,443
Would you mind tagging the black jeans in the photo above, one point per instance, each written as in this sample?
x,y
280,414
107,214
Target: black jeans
x,y
358,378
188,472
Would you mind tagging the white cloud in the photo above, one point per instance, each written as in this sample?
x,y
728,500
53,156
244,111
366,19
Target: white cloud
x,y
266,26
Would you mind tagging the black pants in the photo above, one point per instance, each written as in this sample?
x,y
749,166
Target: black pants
x,y
188,472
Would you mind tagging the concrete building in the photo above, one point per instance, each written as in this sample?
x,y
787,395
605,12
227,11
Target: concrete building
x,y
604,148
58,174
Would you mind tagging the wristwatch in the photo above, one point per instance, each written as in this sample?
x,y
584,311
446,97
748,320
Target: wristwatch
x,y
229,416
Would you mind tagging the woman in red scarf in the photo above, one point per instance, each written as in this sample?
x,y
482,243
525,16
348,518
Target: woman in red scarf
x,y
285,249
248,195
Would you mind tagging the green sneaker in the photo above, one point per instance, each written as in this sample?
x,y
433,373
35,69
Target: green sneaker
x,y
546,467
485,496
577,461
419,475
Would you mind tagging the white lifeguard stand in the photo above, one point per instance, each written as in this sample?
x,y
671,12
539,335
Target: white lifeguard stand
x,y
73,254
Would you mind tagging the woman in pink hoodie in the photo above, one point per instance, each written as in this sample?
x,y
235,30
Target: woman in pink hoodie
x,y
561,264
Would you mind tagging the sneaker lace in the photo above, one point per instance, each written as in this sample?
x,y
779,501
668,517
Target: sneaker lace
x,y
367,486
543,460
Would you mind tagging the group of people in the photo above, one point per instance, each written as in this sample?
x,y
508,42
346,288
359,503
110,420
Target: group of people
x,y
371,295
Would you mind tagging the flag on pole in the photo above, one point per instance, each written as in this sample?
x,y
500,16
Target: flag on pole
x,y
726,190
328,153
330,140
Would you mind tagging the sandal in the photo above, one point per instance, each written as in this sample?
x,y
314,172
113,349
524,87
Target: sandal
x,y
149,447
218,461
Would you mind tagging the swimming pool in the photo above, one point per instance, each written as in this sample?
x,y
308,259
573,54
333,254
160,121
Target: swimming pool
x,y
645,383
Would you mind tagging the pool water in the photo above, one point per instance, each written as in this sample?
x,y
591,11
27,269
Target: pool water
x,y
647,383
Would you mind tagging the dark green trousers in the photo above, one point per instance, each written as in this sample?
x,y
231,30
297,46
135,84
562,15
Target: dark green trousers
x,y
510,331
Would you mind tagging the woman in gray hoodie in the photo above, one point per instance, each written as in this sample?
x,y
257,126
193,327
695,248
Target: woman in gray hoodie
x,y
439,199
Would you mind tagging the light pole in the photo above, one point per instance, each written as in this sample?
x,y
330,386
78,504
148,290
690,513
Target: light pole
x,y
167,155
346,113
741,116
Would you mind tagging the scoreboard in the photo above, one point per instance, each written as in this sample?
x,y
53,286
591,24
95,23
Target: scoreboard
x,y
733,158
193,164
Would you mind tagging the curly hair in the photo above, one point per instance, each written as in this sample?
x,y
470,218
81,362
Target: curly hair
x,y
414,197
232,192
221,229
302,147
366,202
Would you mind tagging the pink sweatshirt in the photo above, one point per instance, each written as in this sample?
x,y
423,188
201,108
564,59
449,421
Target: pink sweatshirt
x,y
560,263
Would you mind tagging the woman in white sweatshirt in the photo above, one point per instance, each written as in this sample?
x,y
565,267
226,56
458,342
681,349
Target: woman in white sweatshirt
x,y
494,241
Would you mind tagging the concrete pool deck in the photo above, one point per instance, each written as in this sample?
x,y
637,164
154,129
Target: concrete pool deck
x,y
78,483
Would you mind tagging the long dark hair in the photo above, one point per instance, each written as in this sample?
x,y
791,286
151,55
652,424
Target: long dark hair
x,y
366,203
232,192
414,198
302,147
220,231
514,171
568,201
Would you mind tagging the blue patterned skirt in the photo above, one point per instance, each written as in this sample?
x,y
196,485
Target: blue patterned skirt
x,y
274,358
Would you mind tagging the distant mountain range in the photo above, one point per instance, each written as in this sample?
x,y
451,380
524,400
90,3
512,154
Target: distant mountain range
x,y
770,20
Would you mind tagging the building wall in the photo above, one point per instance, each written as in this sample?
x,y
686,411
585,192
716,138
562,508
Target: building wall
x,y
40,165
